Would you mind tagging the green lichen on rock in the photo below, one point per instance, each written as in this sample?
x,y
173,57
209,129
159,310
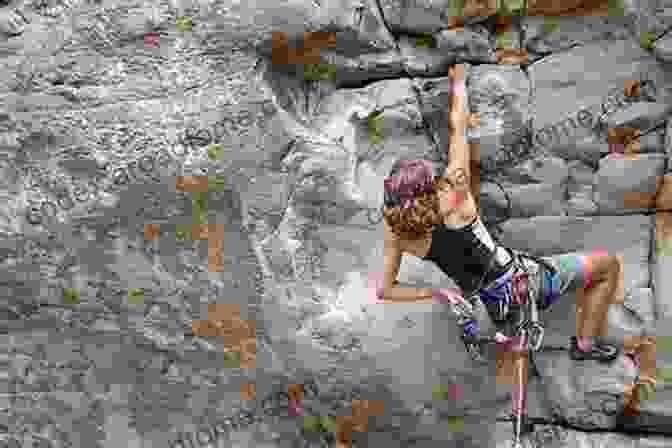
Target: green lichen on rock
x,y
136,296
551,24
440,392
647,40
216,151
199,207
183,232
504,39
664,247
456,423
232,360
312,423
184,24
71,296
319,72
216,184
512,7
616,8
425,40
328,424
374,123
455,8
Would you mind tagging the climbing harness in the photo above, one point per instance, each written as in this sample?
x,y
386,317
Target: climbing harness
x,y
512,302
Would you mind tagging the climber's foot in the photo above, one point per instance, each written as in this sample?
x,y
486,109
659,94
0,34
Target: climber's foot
x,y
601,351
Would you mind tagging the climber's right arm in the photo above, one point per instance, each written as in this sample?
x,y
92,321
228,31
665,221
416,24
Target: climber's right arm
x,y
391,291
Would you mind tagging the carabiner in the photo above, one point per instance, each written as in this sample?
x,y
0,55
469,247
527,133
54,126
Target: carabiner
x,y
535,335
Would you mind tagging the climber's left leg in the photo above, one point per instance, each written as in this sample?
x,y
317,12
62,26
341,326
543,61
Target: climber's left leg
x,y
594,279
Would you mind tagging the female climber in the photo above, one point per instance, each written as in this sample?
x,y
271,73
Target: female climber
x,y
436,218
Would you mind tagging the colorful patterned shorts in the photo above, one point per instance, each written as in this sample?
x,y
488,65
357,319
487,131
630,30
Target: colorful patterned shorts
x,y
572,272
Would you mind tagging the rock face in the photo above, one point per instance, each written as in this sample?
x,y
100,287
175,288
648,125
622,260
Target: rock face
x,y
107,113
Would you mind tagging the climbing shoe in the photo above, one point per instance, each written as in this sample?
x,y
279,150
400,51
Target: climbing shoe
x,y
601,352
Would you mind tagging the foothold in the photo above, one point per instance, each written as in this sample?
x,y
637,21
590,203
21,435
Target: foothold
x,y
136,296
71,296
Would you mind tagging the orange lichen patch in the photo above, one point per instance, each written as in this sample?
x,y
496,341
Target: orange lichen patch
x,y
248,391
320,39
568,8
362,410
625,141
248,353
152,232
192,184
633,199
664,194
282,53
204,328
216,248
223,311
503,23
663,226
645,347
480,8
295,392
199,232
511,56
632,87
344,428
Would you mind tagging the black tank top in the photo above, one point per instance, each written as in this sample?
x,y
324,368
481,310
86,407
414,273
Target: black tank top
x,y
464,254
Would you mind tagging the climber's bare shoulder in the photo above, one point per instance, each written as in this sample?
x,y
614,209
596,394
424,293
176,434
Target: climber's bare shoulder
x,y
460,183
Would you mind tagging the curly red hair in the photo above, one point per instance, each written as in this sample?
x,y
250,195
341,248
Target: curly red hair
x,y
411,203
